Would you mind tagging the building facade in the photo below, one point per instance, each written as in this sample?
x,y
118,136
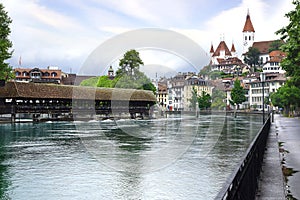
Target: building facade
x,y
37,75
198,84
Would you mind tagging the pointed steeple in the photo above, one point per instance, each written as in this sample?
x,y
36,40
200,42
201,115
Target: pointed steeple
x,y
233,48
211,49
248,27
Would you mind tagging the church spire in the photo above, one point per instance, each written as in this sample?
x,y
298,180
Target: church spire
x,y
248,27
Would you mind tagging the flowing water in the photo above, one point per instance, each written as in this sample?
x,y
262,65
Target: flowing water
x,y
179,157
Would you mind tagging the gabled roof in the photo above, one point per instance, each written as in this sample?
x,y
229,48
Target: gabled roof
x,y
248,27
263,46
222,47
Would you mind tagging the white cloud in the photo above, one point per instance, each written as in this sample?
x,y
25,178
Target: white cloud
x,y
46,36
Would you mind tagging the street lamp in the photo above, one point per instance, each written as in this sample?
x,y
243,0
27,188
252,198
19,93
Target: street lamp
x,y
263,79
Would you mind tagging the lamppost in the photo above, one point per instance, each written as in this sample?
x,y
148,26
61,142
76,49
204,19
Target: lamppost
x,y
263,79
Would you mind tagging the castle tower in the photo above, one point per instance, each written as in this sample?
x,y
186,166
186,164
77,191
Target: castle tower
x,y
248,34
233,51
212,51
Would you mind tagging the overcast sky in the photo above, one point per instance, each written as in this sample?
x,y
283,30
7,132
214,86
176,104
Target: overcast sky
x,y
63,33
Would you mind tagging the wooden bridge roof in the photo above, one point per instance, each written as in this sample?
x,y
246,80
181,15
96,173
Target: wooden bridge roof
x,y
52,91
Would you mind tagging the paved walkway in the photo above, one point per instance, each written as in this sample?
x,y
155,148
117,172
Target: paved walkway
x,y
287,131
271,184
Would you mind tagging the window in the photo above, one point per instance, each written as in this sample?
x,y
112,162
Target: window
x,y
245,37
249,37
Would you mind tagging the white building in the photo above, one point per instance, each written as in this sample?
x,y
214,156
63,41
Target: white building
x,y
273,64
272,83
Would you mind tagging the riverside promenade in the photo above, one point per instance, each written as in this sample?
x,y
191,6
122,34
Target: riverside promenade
x,y
272,185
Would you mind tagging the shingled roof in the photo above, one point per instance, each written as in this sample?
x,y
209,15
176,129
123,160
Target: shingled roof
x,y
51,91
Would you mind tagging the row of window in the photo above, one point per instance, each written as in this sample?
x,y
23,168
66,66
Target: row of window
x,y
35,74
259,91
246,38
274,63
255,85
256,99
271,68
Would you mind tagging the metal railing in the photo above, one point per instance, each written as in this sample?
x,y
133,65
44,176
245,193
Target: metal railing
x,y
243,183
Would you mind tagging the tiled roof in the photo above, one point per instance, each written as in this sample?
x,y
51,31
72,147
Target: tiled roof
x,y
248,27
277,53
222,47
276,56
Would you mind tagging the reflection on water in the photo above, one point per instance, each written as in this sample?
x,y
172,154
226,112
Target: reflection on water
x,y
180,157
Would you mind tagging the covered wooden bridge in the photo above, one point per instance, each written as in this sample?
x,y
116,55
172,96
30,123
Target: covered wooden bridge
x,y
73,101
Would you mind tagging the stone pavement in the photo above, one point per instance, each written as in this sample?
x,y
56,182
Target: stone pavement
x,y
271,183
289,134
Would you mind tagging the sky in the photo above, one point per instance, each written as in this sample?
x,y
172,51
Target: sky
x,y
64,33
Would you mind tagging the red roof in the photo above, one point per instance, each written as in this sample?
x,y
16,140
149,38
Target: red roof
x,y
276,56
248,27
222,47
263,46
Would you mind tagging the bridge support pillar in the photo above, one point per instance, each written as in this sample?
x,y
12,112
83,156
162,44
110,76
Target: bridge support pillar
x,y
13,117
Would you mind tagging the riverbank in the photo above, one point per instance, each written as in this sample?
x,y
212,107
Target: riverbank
x,y
280,178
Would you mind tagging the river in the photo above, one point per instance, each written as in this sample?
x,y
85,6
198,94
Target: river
x,y
179,157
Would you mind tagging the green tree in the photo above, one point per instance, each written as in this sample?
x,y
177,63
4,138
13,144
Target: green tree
x,y
90,82
237,93
138,81
204,101
252,57
5,45
275,45
291,35
193,101
218,97
105,81
205,71
129,76
130,63
287,97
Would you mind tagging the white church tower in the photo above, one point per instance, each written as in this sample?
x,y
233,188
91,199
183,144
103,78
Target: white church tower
x,y
248,34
